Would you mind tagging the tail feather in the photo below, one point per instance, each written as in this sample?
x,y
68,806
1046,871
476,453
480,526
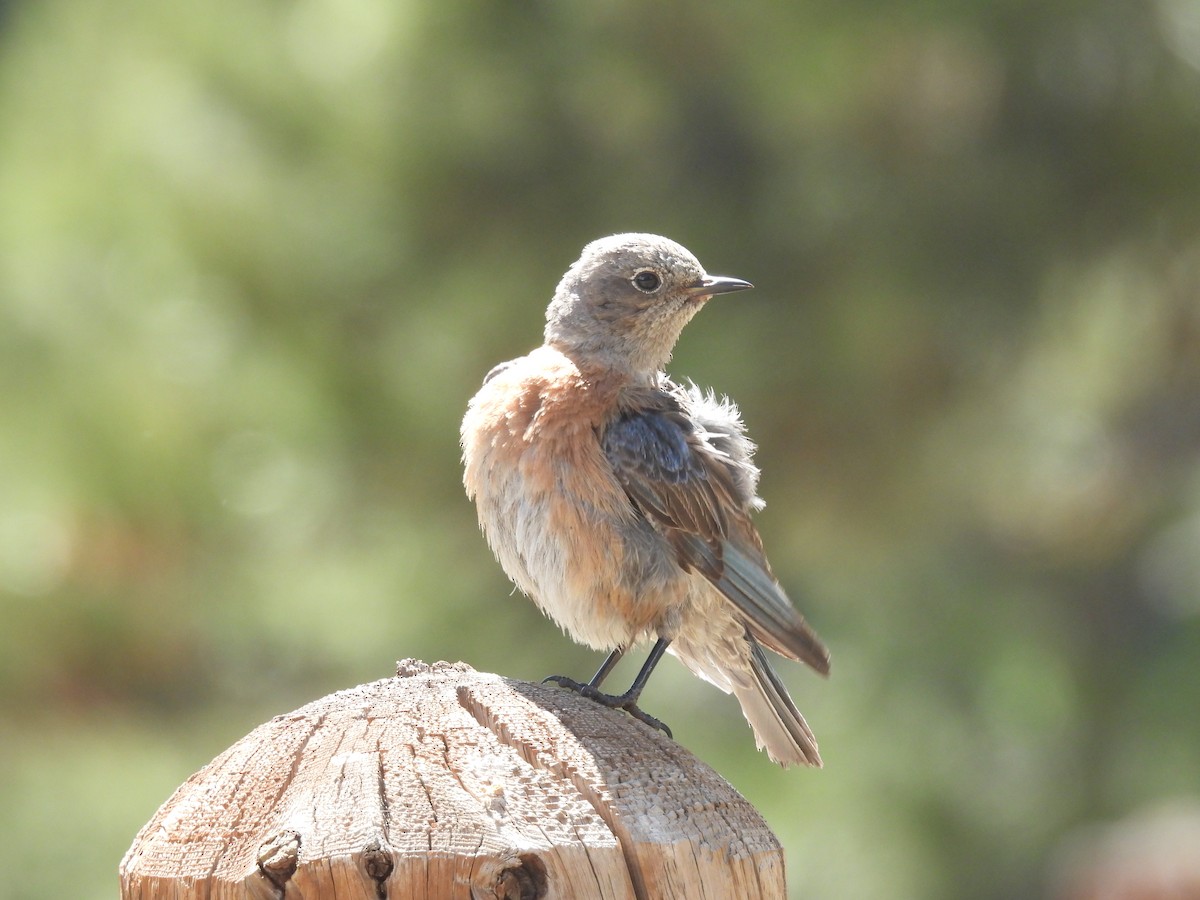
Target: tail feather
x,y
778,725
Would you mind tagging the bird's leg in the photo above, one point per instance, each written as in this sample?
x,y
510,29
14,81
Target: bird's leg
x,y
628,700
607,666
592,688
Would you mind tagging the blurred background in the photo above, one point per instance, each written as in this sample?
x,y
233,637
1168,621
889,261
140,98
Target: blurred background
x,y
255,256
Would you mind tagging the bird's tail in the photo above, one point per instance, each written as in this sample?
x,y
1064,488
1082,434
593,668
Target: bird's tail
x,y
778,725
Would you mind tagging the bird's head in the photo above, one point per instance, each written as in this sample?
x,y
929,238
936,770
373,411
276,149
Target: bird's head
x,y
624,302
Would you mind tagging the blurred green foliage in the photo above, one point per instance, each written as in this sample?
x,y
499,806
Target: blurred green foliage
x,y
255,256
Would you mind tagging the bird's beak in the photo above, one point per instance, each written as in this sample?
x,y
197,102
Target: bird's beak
x,y
710,285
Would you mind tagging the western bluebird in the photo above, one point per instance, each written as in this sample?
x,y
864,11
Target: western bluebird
x,y
620,501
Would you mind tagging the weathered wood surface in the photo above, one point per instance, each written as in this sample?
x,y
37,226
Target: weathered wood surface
x,y
444,782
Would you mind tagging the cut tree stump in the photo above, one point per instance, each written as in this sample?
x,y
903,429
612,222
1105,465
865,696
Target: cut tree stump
x,y
444,782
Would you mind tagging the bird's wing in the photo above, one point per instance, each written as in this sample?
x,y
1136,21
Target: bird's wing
x,y
687,491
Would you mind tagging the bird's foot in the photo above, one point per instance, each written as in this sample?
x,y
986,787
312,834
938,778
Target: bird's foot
x,y
626,701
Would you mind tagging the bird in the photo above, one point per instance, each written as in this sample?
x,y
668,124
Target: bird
x,y
620,500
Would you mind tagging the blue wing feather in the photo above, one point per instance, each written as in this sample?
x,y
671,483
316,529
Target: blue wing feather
x,y
689,491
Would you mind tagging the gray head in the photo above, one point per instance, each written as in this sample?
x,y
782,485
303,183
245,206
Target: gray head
x,y
626,299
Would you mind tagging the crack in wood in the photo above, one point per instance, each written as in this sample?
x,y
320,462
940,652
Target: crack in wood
x,y
479,710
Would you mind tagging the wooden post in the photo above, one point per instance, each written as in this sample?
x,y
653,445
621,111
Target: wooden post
x,y
444,782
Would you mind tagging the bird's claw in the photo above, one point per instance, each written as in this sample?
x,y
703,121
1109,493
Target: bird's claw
x,y
636,711
626,702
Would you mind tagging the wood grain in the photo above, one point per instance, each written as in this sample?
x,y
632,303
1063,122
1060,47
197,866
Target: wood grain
x,y
443,782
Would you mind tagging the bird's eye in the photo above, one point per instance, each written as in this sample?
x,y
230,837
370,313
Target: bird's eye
x,y
646,281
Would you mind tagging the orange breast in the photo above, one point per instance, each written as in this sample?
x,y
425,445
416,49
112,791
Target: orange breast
x,y
547,499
